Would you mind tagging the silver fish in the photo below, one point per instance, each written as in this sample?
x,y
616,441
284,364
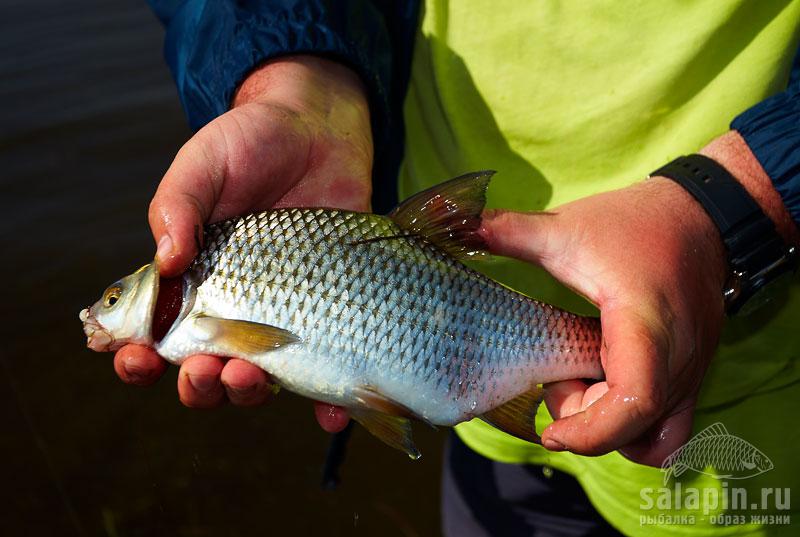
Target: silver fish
x,y
728,456
373,313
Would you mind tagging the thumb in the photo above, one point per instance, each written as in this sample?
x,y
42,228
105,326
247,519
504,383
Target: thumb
x,y
667,435
182,204
546,239
636,396
243,160
532,237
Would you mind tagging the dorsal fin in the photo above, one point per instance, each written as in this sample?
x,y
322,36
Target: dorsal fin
x,y
448,215
715,429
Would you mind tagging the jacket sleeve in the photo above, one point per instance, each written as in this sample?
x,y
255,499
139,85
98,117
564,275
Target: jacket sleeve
x,y
772,130
211,46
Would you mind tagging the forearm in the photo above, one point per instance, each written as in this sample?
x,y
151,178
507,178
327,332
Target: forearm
x,y
207,72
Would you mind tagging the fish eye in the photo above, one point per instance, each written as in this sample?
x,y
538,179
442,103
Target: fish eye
x,y
111,296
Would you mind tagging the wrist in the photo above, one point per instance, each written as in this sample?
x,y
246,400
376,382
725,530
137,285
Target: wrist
x,y
757,253
732,152
308,85
699,233
281,76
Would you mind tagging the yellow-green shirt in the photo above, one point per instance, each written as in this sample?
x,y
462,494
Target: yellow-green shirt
x,y
569,98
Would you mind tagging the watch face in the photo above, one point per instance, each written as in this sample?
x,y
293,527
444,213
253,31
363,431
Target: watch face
x,y
768,294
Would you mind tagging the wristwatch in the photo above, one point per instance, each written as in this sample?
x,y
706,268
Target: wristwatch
x,y
757,255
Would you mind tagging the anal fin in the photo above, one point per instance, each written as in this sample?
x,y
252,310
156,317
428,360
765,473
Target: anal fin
x,y
392,430
517,417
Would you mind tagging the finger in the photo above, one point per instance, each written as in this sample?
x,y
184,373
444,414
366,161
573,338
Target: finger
x,y
182,204
541,238
199,384
635,365
331,418
569,397
351,190
246,384
256,152
663,438
531,237
136,364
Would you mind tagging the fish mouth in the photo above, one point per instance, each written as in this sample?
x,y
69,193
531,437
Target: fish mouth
x,y
97,338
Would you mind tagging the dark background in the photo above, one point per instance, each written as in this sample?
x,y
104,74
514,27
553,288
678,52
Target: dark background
x,y
89,120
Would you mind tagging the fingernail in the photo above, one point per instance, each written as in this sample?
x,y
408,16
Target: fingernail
x,y
164,250
203,383
553,445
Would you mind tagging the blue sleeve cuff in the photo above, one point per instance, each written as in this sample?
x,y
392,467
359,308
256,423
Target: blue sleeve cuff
x,y
772,131
211,46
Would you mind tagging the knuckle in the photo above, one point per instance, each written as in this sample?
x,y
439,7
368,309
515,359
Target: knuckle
x,y
504,219
497,225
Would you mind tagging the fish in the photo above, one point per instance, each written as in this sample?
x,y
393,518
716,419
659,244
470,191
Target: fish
x,y
377,314
717,453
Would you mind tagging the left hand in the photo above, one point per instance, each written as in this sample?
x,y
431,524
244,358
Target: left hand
x,y
653,261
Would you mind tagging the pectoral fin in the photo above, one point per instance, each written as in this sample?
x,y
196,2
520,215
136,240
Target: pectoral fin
x,y
667,474
241,338
679,468
393,430
518,416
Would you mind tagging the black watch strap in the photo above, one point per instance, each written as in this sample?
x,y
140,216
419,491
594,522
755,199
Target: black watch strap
x,y
756,253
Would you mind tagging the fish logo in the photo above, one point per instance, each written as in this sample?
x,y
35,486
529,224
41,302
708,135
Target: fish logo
x,y
730,456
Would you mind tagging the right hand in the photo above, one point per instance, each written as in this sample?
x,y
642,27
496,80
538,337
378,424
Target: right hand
x,y
298,134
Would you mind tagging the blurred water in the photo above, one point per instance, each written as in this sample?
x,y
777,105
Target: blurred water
x,y
89,120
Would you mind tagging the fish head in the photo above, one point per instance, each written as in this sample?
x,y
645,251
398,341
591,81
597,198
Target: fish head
x,y
760,461
124,314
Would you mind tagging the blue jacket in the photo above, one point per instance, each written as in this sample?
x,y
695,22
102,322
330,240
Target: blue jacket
x,y
211,46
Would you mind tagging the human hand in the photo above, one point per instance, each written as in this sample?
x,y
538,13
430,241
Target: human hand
x,y
652,260
298,134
